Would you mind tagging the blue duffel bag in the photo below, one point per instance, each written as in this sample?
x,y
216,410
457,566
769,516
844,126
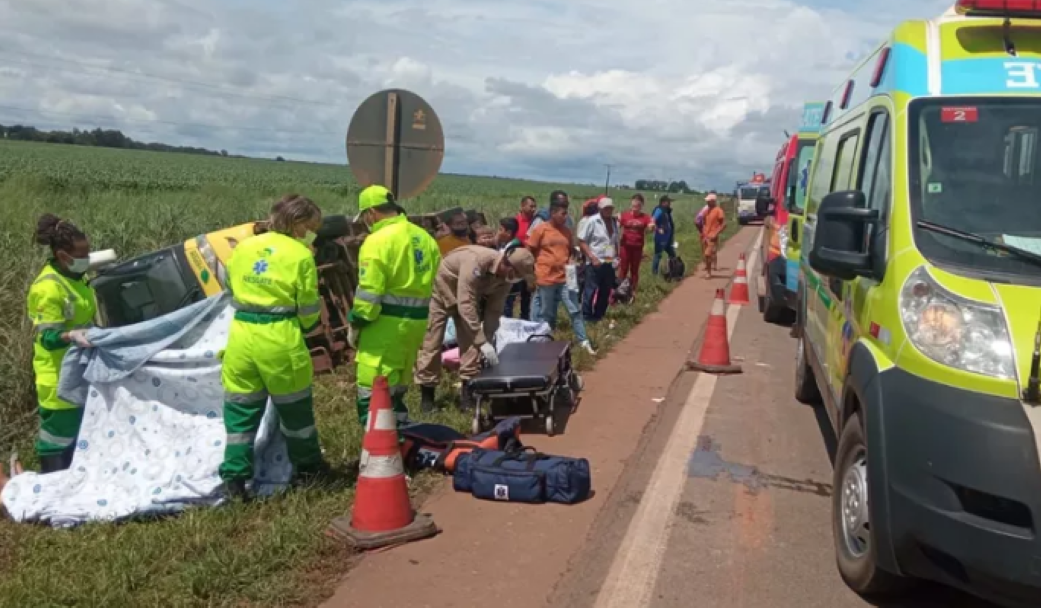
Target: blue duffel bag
x,y
523,476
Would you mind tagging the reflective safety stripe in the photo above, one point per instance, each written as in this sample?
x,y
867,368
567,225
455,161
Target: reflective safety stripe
x,y
291,397
364,392
304,433
245,398
391,300
380,467
367,296
311,309
398,390
401,416
42,327
241,438
55,440
273,310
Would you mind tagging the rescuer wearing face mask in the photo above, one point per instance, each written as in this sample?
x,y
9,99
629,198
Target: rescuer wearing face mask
x,y
397,264
61,306
471,279
274,285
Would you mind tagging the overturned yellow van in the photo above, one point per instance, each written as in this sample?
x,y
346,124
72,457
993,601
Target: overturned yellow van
x,y
919,317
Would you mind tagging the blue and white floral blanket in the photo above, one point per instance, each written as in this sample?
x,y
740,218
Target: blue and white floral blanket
x,y
153,432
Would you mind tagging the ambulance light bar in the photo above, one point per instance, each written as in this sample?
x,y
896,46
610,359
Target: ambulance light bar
x,y
999,8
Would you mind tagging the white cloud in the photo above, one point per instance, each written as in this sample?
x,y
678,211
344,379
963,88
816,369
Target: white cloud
x,y
535,88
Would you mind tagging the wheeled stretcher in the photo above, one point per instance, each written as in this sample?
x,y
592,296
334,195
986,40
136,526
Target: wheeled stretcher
x,y
532,380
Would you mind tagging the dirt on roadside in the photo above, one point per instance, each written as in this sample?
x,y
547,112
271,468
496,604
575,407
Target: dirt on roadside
x,y
512,555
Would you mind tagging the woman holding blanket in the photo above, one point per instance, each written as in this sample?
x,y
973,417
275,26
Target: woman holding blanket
x,y
61,306
274,283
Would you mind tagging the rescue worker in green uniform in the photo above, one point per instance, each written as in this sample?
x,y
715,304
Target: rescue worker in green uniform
x,y
274,286
61,306
396,268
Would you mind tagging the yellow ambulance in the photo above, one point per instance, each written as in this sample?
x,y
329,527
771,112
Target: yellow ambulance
x,y
919,317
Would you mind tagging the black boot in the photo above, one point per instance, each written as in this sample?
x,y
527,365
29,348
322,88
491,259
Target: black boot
x,y
466,399
426,402
53,464
236,490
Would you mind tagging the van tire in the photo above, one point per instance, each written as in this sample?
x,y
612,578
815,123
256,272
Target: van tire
x,y
806,390
858,570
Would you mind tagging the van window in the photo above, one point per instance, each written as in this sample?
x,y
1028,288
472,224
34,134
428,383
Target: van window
x,y
820,181
972,168
875,175
847,156
749,193
799,175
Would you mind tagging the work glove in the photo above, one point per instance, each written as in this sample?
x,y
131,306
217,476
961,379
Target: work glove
x,y
489,354
79,338
352,336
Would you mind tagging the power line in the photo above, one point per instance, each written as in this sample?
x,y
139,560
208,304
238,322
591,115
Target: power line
x,y
164,122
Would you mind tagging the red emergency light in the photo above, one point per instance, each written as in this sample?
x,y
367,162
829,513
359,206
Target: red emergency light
x,y
846,95
880,67
999,8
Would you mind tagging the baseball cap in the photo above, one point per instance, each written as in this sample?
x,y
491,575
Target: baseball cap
x,y
605,203
711,197
523,262
374,196
665,199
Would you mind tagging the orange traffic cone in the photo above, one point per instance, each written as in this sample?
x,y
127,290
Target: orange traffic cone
x,y
715,346
739,290
382,514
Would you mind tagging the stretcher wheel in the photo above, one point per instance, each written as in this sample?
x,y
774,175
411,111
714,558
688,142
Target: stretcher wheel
x,y
475,426
550,428
577,383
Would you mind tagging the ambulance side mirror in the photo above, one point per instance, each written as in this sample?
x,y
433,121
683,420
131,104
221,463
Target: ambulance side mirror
x,y
763,205
838,243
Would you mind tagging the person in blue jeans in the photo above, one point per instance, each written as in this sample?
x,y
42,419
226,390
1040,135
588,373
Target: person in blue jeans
x,y
551,244
664,231
599,236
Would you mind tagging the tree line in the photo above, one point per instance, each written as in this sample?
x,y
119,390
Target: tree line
x,y
102,138
655,185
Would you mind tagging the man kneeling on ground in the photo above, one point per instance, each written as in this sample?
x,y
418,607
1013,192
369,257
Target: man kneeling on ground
x,y
470,279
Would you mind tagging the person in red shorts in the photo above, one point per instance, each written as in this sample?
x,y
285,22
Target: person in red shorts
x,y
635,225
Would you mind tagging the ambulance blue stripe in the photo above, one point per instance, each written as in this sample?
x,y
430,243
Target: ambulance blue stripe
x,y
907,72
985,75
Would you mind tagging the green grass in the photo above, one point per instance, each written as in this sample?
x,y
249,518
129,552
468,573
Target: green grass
x,y
269,553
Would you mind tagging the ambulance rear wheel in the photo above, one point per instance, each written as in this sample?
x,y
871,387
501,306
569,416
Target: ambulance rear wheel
x,y
806,390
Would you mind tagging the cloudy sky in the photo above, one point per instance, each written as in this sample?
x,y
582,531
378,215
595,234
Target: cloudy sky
x,y
694,89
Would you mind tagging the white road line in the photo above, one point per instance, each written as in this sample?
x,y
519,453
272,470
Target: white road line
x,y
634,571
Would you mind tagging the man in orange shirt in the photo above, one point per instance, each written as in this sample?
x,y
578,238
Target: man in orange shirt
x,y
715,224
551,244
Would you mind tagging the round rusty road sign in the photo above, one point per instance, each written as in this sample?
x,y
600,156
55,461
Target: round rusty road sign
x,y
395,139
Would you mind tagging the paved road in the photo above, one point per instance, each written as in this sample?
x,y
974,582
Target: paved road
x,y
747,523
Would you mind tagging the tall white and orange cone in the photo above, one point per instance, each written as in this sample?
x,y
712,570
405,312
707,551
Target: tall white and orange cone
x,y
382,513
714,357
739,289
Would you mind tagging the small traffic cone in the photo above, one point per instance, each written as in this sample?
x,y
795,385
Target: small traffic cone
x,y
715,346
739,289
382,513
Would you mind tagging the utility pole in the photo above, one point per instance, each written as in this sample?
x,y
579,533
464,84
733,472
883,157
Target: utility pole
x,y
607,183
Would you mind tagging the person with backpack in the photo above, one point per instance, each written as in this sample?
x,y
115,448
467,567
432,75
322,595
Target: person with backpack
x,y
664,231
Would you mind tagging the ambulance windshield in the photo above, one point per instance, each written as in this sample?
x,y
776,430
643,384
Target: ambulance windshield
x,y
974,167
